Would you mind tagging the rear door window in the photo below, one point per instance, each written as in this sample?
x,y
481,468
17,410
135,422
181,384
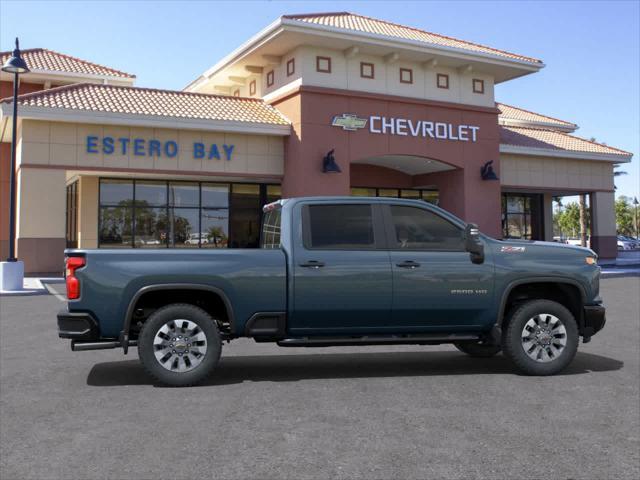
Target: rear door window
x,y
338,227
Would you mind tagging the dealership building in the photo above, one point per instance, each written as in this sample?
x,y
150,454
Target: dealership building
x,y
404,112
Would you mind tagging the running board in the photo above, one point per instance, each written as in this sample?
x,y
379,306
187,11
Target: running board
x,y
77,346
424,339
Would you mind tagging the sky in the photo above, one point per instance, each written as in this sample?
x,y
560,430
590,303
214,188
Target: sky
x,y
591,49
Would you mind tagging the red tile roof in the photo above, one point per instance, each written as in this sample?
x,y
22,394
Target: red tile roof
x,y
360,23
48,60
516,113
147,101
553,140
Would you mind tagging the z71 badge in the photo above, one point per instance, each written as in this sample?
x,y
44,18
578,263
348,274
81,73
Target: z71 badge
x,y
511,249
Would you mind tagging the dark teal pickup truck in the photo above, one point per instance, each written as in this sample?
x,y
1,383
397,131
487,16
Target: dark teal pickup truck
x,y
337,271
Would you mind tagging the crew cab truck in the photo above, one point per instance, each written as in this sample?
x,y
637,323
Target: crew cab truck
x,y
337,271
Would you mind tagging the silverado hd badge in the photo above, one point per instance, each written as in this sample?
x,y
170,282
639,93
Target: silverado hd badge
x,y
512,249
349,121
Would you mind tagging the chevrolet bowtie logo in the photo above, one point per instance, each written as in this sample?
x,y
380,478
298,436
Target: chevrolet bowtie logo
x,y
349,122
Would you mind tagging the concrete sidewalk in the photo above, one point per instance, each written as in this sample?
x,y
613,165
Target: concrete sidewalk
x,y
624,259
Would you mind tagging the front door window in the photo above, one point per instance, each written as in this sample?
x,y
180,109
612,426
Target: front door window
x,y
435,283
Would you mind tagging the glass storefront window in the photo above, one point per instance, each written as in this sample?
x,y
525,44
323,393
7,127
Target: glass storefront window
x,y
72,215
183,194
116,192
364,192
388,192
411,194
246,213
430,196
149,193
181,214
215,195
215,227
151,227
184,227
115,227
521,216
274,193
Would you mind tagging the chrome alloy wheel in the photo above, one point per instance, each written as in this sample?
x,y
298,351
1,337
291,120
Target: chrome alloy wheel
x,y
544,337
180,345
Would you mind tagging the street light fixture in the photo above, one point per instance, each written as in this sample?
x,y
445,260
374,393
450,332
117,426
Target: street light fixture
x,y
12,271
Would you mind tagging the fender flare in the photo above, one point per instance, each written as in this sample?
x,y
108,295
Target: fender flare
x,y
175,286
527,280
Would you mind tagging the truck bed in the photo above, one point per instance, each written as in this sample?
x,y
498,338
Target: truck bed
x,y
252,279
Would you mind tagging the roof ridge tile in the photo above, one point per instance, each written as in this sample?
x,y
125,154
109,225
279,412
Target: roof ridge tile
x,y
536,113
124,99
399,25
77,59
96,66
616,151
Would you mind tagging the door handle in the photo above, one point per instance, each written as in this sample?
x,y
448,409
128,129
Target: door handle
x,y
408,264
312,264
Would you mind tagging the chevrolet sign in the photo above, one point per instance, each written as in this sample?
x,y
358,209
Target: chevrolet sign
x,y
349,122
408,127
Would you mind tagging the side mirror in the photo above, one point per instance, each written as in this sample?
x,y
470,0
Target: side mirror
x,y
473,244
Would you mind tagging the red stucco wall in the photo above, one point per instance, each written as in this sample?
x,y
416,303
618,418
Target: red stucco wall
x,y
6,88
462,191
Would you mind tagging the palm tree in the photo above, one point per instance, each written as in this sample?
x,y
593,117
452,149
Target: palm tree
x,y
583,219
558,201
617,173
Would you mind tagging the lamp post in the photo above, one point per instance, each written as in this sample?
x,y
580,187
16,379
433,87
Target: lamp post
x,y
12,270
635,214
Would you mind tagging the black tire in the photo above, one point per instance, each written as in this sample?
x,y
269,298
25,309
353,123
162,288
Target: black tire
x,y
513,344
207,362
479,350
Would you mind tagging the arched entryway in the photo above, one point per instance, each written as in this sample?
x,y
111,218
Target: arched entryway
x,y
408,176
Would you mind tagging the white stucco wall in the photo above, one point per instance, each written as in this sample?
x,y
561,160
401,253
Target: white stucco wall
x,y
345,74
557,173
64,144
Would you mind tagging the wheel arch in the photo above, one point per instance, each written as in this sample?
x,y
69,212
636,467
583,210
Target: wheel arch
x,y
177,287
542,282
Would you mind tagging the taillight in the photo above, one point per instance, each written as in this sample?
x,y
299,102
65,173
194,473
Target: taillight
x,y
73,284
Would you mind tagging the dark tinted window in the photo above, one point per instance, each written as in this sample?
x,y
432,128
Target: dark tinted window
x,y
417,229
340,226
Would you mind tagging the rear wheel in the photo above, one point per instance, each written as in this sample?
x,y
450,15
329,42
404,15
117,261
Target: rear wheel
x,y
179,345
541,337
480,350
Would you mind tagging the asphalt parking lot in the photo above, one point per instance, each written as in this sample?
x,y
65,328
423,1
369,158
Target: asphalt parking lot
x,y
356,412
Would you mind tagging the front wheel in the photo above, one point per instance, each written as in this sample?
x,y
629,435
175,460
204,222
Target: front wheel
x,y
541,337
179,345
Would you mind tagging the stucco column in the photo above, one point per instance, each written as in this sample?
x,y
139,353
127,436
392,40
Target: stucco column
x,y
5,170
466,195
547,217
41,219
303,174
603,224
88,212
304,150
